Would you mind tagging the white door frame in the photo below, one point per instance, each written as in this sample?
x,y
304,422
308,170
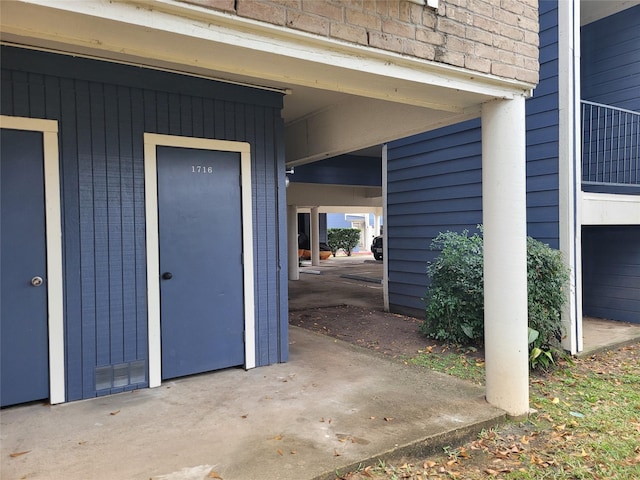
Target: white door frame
x,y
53,232
151,142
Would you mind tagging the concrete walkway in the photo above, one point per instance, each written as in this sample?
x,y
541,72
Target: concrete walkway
x,y
331,407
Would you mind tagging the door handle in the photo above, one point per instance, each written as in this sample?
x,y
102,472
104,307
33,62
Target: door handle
x,y
167,276
36,281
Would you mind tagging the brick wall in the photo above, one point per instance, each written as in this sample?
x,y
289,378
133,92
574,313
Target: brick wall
x,y
499,37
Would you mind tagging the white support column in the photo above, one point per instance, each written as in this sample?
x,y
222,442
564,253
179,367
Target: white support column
x,y
376,224
367,232
292,239
315,237
505,255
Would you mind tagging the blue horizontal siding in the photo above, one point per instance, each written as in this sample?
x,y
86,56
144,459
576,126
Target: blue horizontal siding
x,y
435,181
103,111
611,272
610,60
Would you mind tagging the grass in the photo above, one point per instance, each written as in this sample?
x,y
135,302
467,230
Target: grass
x,y
586,426
460,365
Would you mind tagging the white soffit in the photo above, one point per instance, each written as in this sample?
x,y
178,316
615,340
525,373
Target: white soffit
x,y
181,37
593,10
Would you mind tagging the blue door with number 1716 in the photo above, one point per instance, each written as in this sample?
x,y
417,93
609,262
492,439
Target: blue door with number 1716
x,y
201,272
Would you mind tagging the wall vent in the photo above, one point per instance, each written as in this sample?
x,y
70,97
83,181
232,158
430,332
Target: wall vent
x,y
121,375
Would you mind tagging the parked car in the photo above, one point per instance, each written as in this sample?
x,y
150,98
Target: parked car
x,y
376,247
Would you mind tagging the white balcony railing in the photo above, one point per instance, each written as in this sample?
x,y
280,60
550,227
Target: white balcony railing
x,y
610,145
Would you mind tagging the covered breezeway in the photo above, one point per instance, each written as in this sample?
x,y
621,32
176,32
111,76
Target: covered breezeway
x,y
352,99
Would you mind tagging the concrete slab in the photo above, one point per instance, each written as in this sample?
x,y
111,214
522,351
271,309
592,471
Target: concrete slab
x,y
600,334
355,280
332,406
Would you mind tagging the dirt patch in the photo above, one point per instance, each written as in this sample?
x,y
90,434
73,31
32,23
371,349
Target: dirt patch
x,y
388,333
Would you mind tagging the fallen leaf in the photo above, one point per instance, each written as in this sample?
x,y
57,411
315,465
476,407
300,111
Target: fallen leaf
x,y
115,413
336,453
214,474
388,419
429,464
18,454
277,437
555,400
244,416
280,452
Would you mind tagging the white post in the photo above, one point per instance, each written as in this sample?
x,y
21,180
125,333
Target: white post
x,y
292,239
376,224
315,237
505,255
367,232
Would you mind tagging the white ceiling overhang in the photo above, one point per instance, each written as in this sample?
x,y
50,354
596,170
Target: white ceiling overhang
x,y
340,97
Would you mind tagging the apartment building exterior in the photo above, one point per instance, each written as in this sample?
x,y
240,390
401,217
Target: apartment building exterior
x,y
132,131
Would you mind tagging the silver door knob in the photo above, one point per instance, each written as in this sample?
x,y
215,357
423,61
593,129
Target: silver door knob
x,y
36,281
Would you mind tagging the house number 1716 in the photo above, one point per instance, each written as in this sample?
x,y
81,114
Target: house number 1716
x,y
201,169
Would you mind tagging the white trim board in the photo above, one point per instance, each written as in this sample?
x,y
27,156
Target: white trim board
x,y
151,141
610,209
53,231
568,168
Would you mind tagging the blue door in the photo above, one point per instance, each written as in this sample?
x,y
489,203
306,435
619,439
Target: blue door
x,y
201,284
24,361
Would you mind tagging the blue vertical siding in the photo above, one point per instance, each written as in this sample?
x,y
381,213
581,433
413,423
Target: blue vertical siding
x,y
610,60
103,111
611,272
435,181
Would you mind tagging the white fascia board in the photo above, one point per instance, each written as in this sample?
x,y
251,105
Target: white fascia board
x,y
155,32
610,209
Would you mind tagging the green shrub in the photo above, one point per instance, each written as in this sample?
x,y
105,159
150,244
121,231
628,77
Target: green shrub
x,y
455,299
455,304
547,276
343,238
